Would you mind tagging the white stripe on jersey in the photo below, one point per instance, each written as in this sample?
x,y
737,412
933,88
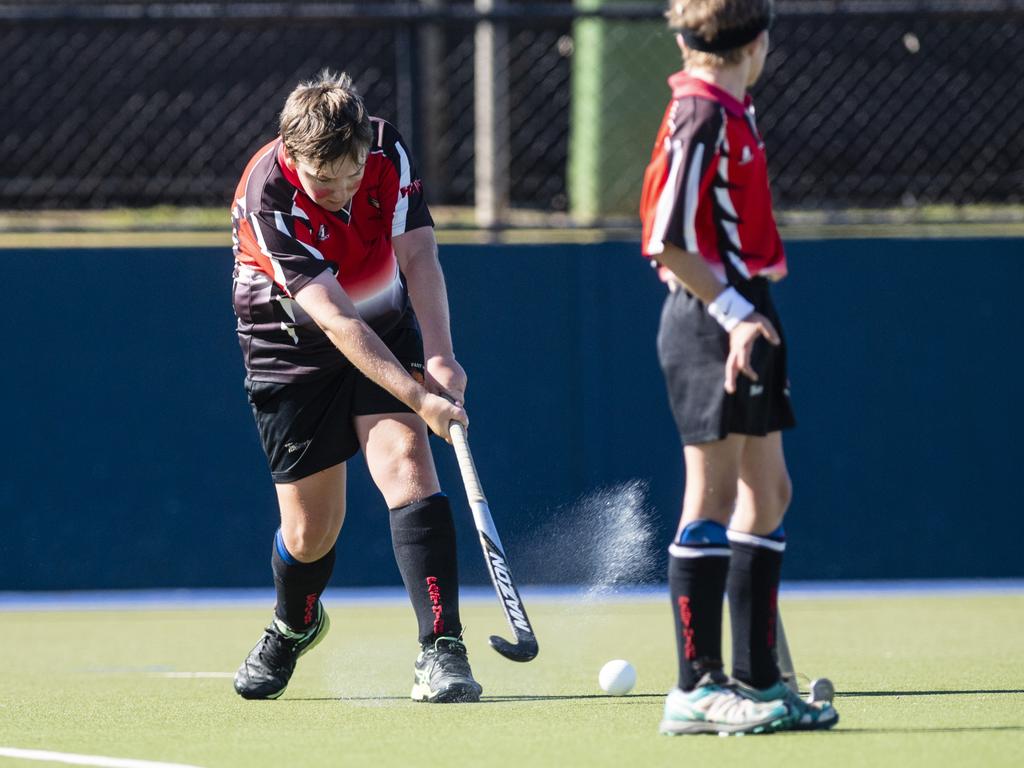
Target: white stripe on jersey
x,y
691,199
297,212
741,266
241,200
724,198
402,204
278,272
283,228
666,201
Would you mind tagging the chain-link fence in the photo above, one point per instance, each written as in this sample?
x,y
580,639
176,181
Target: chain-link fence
x,y
544,106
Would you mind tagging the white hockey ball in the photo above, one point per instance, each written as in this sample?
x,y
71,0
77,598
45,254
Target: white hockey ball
x,y
617,677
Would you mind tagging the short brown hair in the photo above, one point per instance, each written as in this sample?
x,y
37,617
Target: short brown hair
x,y
709,18
325,120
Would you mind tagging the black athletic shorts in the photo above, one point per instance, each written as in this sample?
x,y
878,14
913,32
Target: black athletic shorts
x,y
693,348
307,426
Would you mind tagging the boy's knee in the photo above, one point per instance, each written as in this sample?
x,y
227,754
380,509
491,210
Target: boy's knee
x,y
785,494
772,502
406,473
772,498
403,456
308,543
711,504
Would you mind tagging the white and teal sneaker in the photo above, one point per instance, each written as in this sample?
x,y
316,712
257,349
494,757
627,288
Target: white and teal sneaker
x,y
715,706
801,715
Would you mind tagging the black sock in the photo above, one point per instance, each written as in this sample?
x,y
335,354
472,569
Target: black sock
x,y
423,535
299,585
697,567
754,575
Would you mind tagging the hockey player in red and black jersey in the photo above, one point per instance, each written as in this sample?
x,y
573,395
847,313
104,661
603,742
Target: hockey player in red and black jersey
x,y
344,328
708,225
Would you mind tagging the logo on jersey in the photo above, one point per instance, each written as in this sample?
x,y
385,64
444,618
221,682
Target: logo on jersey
x,y
374,201
322,233
746,155
416,186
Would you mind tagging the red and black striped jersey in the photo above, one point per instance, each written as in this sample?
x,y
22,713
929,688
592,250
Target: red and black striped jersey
x,y
706,187
283,240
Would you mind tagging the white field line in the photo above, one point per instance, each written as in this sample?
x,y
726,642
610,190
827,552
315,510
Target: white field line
x,y
192,675
69,758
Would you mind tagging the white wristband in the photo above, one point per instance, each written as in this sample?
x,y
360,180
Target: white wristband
x,y
729,308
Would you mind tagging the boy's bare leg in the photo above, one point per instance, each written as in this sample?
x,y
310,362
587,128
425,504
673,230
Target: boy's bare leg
x,y
397,452
302,559
758,543
698,567
699,556
711,472
764,489
312,512
423,535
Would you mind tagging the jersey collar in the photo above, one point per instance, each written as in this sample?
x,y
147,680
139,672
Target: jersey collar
x,y
345,214
684,84
292,176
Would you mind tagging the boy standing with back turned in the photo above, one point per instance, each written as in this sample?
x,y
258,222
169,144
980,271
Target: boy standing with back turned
x,y
708,223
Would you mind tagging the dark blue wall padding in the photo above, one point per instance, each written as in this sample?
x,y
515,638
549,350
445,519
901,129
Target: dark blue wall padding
x,y
131,459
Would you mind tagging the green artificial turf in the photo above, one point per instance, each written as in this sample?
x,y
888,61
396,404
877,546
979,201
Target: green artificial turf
x,y
922,681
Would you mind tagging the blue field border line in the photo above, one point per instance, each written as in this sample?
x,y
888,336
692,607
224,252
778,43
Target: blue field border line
x,y
183,599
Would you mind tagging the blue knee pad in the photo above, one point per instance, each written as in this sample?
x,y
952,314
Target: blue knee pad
x,y
703,533
282,550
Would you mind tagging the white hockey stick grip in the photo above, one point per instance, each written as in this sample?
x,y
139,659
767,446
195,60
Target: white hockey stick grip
x,y
470,478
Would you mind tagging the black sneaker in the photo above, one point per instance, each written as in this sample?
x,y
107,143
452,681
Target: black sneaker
x,y
267,669
442,674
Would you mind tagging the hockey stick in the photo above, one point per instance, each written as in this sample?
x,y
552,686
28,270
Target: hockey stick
x,y
783,657
525,648
822,688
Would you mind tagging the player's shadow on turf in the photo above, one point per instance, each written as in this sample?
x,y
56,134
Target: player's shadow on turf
x,y
841,729
846,694
568,697
639,696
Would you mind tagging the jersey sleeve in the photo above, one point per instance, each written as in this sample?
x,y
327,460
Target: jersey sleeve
x,y
680,176
406,186
287,242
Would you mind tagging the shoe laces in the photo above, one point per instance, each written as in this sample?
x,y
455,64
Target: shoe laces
x,y
275,649
450,654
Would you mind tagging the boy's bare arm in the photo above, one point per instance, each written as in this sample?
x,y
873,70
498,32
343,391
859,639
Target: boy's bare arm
x,y
693,272
416,252
331,308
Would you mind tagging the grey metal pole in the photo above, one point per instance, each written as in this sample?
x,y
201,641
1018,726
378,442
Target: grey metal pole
x,y
491,111
433,100
405,118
